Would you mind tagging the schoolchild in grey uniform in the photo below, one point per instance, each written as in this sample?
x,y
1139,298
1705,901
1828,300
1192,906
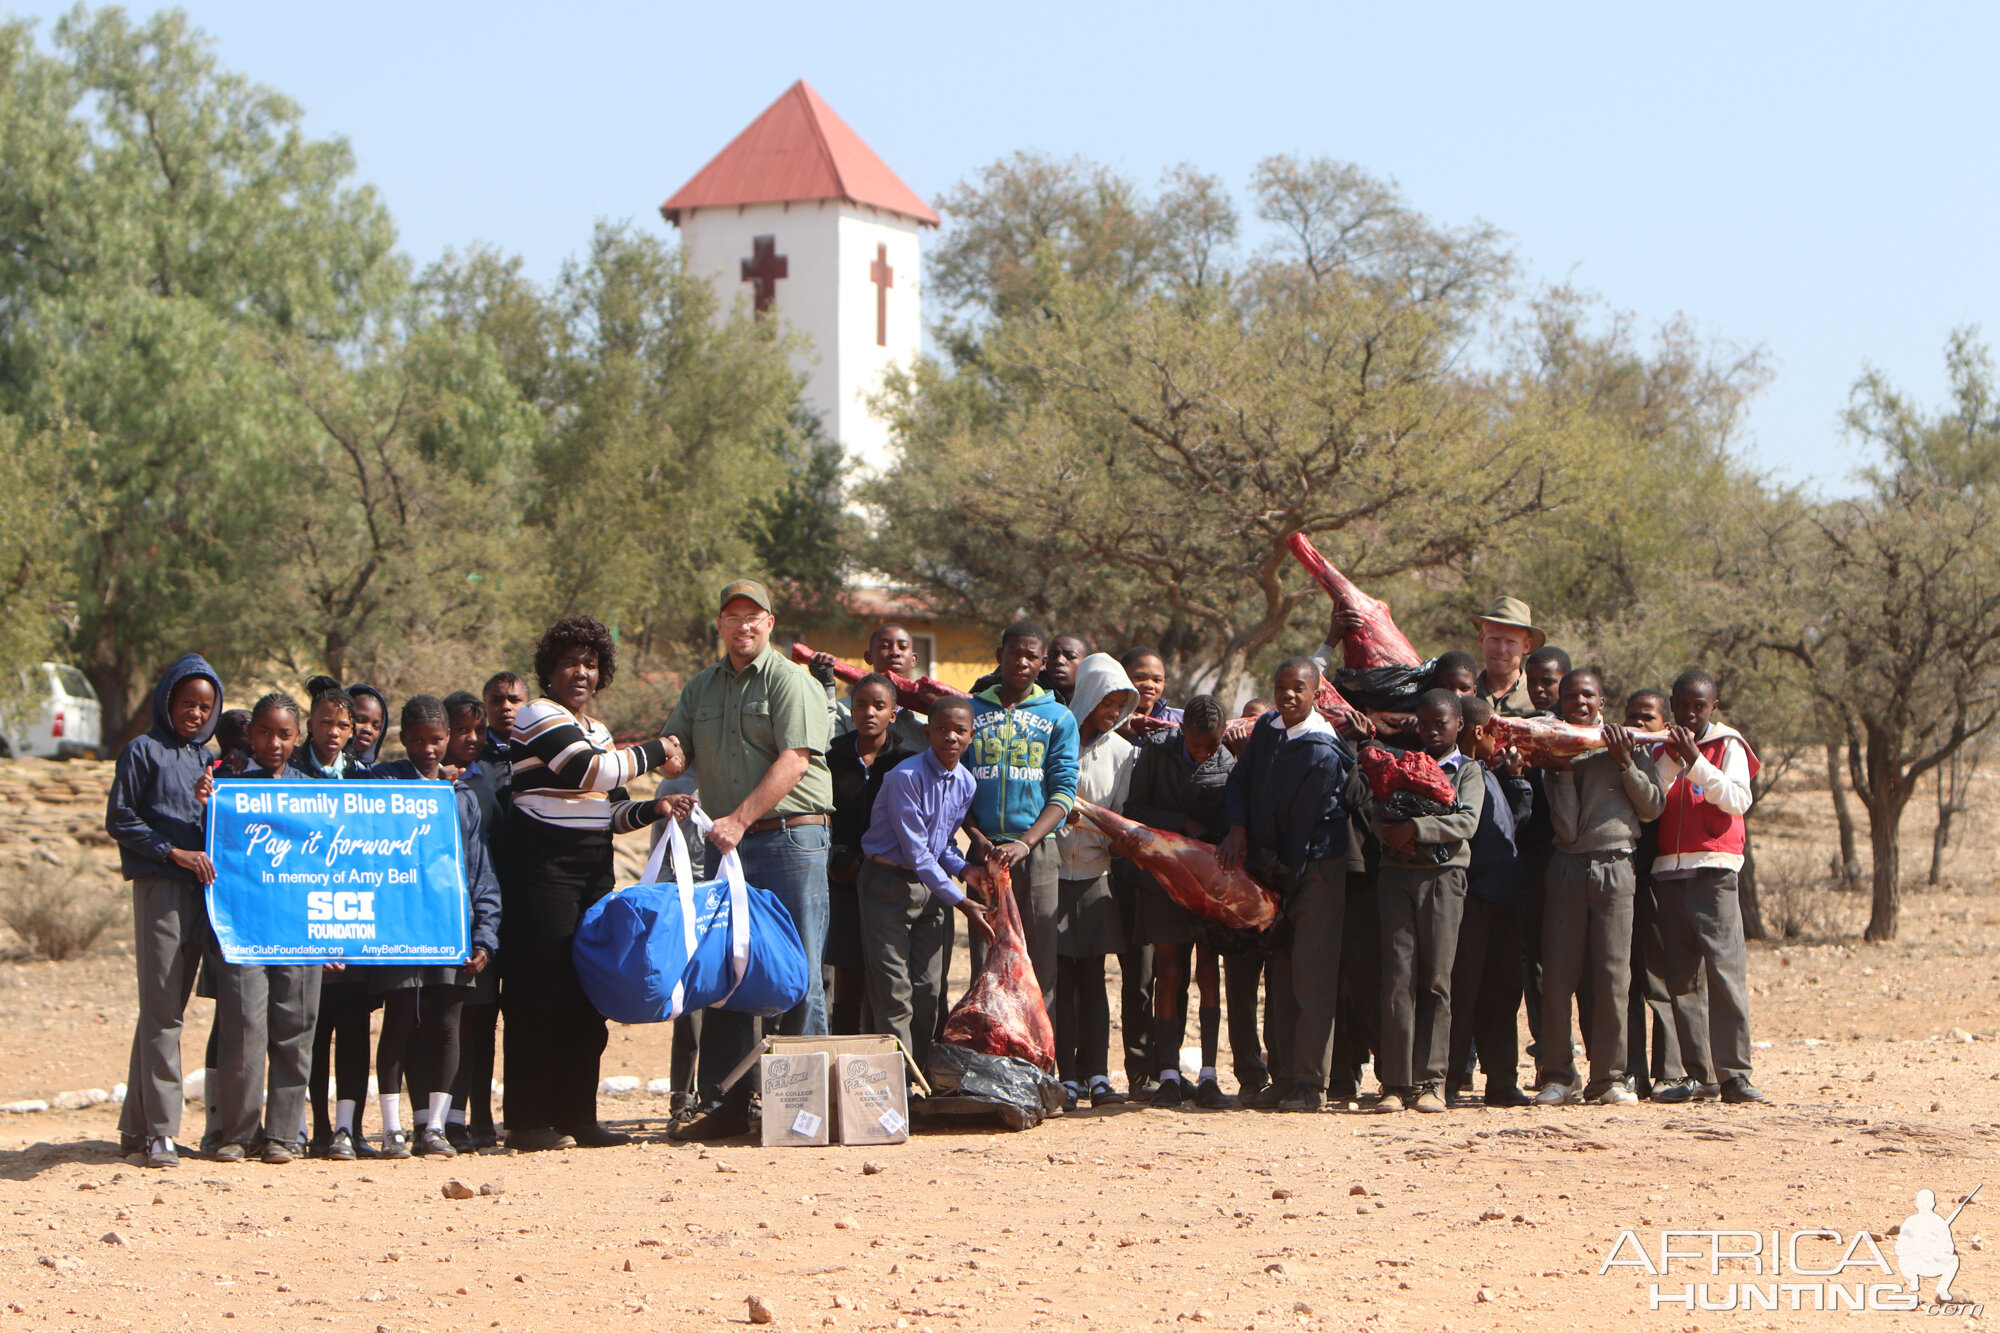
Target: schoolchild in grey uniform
x,y
1421,887
263,1013
1597,803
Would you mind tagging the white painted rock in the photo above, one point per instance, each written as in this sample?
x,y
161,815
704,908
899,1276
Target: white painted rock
x,y
117,1094
78,1098
194,1085
618,1085
659,1087
25,1108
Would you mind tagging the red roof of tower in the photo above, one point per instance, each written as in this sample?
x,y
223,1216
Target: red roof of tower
x,y
798,149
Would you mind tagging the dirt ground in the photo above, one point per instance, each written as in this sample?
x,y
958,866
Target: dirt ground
x,y
1883,1062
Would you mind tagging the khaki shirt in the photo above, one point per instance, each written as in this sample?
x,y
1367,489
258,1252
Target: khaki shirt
x,y
733,725
1514,703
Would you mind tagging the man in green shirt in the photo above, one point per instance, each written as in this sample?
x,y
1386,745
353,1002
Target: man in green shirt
x,y
755,728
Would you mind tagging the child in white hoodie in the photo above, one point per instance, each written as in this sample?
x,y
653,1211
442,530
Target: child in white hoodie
x,y
1088,924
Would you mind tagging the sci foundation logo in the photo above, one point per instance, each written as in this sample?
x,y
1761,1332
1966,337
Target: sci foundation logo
x,y
1815,1269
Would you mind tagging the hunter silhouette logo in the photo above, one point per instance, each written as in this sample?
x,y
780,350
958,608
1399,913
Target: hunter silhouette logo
x,y
1810,1268
1924,1246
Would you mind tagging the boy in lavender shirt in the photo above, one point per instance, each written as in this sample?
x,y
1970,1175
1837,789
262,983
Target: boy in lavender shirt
x,y
905,883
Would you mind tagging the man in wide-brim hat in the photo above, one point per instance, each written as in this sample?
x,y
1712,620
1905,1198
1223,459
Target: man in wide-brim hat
x,y
1507,634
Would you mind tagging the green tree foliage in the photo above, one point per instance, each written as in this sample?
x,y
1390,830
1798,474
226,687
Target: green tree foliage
x,y
272,443
162,222
1133,433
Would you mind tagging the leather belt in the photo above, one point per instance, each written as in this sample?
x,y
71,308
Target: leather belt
x,y
788,821
893,865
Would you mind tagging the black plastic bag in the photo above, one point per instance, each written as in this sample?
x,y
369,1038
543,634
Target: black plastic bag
x,y
1408,805
974,1083
1385,689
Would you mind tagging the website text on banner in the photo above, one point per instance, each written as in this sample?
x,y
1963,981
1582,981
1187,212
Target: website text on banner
x,y
351,872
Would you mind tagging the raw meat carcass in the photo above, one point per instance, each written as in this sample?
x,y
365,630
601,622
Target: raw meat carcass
x,y
916,695
1144,725
1187,871
1540,739
1390,771
1002,1012
1376,642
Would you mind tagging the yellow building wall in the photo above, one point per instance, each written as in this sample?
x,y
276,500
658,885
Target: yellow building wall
x,y
960,653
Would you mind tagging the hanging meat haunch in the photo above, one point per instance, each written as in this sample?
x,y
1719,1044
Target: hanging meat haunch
x,y
1540,739
1375,642
916,695
1002,1012
1186,870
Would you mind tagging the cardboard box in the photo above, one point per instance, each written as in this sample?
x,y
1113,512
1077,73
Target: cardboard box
x,y
871,1094
834,1047
797,1109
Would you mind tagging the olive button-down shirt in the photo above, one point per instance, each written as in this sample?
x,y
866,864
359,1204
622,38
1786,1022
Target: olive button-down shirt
x,y
733,725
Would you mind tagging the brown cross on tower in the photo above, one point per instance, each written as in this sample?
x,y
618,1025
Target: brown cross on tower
x,y
763,269
884,278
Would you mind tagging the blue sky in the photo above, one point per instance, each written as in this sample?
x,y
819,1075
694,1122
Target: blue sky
x,y
1814,180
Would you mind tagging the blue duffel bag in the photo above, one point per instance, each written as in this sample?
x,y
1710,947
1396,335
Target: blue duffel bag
x,y
654,951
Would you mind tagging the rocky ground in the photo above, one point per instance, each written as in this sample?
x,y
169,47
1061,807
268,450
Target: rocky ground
x,y
1883,1062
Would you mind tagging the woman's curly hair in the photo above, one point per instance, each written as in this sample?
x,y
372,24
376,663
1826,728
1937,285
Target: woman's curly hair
x,y
573,632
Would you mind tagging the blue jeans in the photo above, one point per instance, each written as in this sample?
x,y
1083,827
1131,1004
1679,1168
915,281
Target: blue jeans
x,y
790,864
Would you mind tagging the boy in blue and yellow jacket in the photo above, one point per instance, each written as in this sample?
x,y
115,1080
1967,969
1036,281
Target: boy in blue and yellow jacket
x,y
1024,757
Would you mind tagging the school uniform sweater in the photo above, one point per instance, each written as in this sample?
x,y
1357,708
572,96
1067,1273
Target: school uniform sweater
x,y
1285,790
151,810
1452,831
481,885
1598,807
1169,788
1702,827
1495,872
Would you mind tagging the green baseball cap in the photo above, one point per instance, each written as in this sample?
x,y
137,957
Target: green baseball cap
x,y
750,588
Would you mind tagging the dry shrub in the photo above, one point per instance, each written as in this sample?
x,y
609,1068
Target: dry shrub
x,y
1801,900
59,909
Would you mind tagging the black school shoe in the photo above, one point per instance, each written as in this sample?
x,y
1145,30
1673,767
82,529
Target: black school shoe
x,y
1509,1095
595,1135
457,1136
1103,1094
160,1152
1674,1092
340,1146
1738,1091
395,1144
433,1143
1269,1096
538,1140
1168,1095
1210,1097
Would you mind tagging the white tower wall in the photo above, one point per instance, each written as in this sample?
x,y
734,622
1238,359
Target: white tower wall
x,y
828,297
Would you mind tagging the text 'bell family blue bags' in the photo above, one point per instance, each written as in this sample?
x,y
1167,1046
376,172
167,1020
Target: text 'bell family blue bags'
x,y
364,873
653,951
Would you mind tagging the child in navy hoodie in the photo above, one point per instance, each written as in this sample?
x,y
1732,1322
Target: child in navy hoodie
x,y
154,814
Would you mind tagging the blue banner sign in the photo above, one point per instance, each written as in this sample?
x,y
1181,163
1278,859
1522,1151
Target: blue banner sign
x,y
351,872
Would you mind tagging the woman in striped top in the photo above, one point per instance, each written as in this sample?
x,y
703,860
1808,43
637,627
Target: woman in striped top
x,y
569,798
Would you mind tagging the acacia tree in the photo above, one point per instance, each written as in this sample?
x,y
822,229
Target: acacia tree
x,y
1894,601
1132,452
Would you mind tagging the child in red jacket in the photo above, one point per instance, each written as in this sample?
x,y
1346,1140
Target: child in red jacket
x,y
1706,768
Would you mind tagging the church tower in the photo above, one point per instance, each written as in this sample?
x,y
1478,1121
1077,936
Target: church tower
x,y
800,218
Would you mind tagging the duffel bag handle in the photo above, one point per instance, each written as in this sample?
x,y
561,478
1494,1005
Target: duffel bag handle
x,y
739,908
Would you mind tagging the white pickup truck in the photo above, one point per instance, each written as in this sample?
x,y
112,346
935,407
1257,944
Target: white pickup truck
x,y
70,723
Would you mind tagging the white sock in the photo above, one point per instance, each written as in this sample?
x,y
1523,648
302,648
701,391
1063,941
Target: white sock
x,y
440,1108
1208,1073
456,1118
343,1116
1170,1076
392,1112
